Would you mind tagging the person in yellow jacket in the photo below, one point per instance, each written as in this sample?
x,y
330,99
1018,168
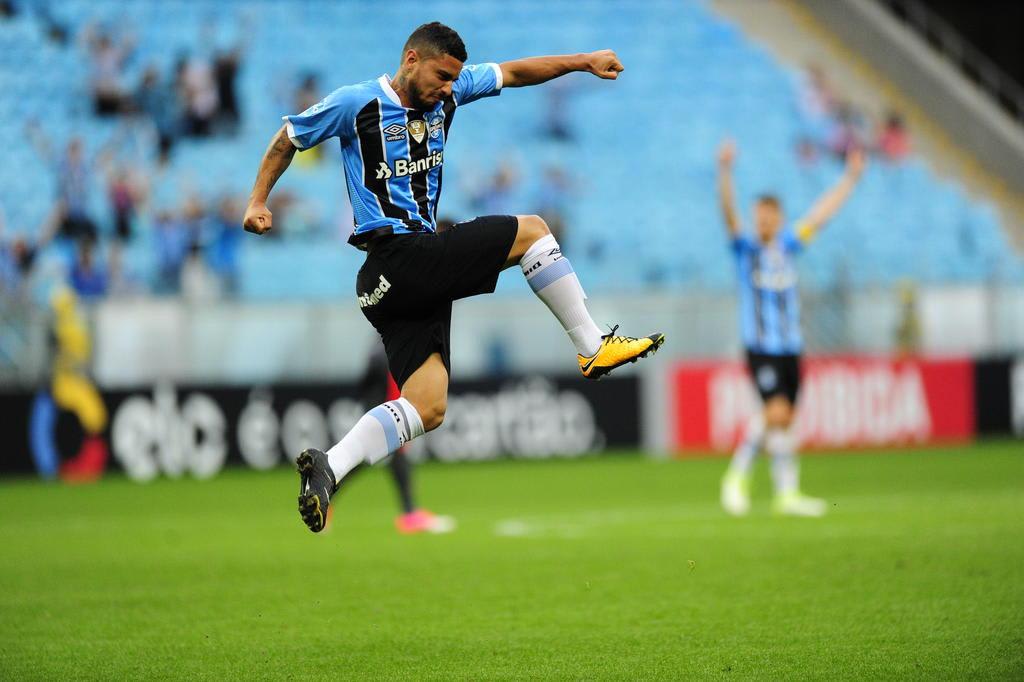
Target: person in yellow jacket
x,y
73,390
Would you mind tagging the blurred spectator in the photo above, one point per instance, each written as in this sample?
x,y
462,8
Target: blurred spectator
x,y
74,173
297,218
554,195
18,254
493,197
54,30
225,73
198,91
7,9
172,243
156,99
847,131
107,62
816,107
193,216
816,97
88,278
557,119
308,94
893,141
198,281
807,153
10,273
72,390
15,260
123,196
908,329
222,252
120,282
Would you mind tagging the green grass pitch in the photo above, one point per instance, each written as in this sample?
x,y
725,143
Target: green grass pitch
x,y
603,568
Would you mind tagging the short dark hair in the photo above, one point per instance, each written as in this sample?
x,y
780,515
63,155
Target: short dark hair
x,y
435,39
769,200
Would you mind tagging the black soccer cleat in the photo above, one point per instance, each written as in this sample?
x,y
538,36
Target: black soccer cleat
x,y
316,485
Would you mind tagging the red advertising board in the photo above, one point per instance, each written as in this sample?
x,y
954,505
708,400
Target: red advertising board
x,y
845,401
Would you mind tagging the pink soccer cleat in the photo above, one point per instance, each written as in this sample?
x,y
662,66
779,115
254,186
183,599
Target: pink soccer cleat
x,y
423,521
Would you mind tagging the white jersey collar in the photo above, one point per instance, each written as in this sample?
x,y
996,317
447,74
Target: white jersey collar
x,y
385,85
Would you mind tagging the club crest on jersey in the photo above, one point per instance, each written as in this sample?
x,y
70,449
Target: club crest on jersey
x,y
435,124
418,129
394,132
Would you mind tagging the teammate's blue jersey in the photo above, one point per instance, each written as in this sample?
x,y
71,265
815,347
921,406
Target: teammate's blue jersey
x,y
769,304
392,155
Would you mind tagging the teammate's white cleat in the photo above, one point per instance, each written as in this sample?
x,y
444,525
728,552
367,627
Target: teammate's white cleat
x,y
798,504
736,494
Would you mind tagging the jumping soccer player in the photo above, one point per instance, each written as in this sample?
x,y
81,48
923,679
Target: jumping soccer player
x,y
770,322
392,133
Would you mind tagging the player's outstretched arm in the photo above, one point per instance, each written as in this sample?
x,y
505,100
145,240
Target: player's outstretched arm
x,y
726,193
831,201
536,70
276,159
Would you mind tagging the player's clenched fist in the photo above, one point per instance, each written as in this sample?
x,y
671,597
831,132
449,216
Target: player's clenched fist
x,y
605,64
258,218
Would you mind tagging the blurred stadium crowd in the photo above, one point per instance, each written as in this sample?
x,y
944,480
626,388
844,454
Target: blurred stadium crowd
x,y
134,130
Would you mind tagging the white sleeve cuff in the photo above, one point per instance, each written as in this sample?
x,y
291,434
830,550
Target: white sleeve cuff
x,y
291,132
497,74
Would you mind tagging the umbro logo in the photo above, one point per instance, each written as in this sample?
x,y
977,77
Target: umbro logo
x,y
394,132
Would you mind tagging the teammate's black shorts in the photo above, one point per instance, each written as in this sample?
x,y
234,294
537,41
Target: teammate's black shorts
x,y
408,282
775,375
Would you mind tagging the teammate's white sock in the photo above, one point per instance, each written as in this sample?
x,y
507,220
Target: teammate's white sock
x,y
554,281
753,441
378,433
781,445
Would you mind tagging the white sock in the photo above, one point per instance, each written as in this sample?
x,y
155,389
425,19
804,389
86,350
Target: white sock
x,y
753,441
554,281
377,434
781,445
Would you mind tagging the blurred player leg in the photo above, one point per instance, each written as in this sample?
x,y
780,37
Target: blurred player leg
x,y
736,482
401,473
412,518
781,444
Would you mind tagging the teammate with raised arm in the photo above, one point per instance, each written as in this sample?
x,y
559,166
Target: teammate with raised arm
x,y
770,327
392,133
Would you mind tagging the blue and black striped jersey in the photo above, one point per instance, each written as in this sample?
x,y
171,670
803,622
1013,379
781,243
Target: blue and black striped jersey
x,y
769,304
393,156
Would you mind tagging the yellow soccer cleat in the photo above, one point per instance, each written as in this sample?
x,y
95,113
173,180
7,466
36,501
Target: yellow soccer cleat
x,y
616,351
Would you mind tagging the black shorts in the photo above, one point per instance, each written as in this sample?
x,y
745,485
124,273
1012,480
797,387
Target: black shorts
x,y
408,282
775,375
